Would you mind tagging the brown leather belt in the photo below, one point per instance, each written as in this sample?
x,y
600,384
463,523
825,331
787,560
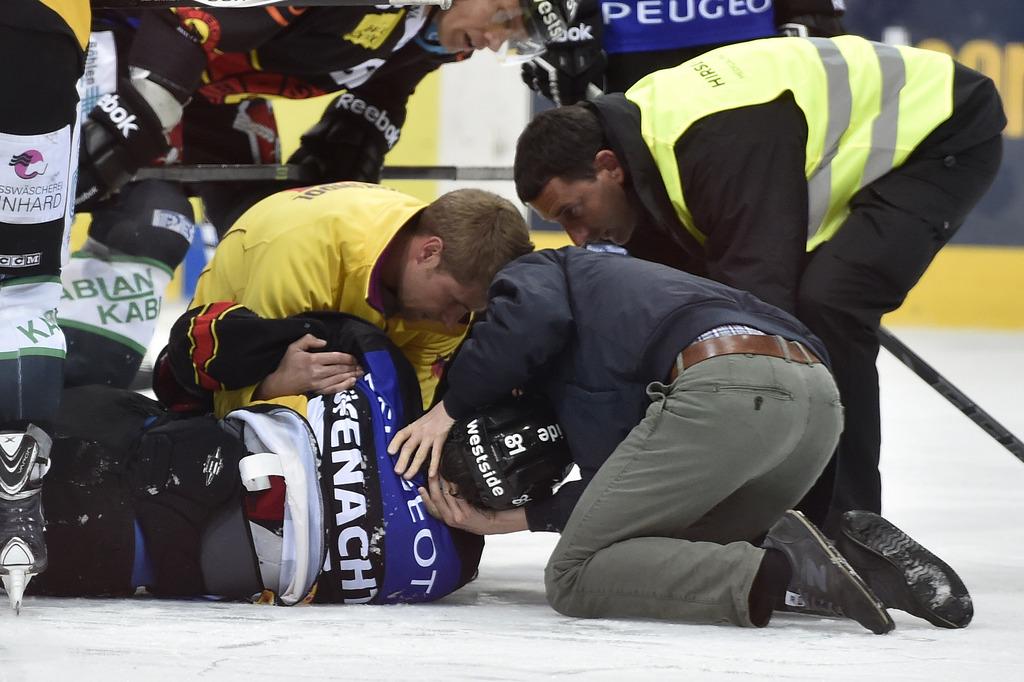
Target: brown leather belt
x,y
751,344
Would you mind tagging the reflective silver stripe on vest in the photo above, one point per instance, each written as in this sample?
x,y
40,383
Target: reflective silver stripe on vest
x,y
883,130
840,102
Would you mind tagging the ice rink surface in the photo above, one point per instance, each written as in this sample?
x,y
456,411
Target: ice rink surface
x,y
947,483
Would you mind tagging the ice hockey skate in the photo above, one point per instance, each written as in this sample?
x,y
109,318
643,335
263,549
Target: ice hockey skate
x,y
24,459
823,583
902,573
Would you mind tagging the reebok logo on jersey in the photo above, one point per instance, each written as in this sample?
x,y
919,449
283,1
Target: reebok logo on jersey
x,y
110,104
376,116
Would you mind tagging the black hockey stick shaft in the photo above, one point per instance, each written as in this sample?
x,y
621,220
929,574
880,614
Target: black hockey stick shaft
x,y
951,393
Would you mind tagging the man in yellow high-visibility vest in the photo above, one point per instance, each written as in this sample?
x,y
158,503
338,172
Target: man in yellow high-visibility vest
x,y
821,175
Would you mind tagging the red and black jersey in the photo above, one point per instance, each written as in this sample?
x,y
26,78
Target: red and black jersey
x,y
293,52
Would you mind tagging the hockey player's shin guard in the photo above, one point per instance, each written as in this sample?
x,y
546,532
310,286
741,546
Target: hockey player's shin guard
x,y
24,459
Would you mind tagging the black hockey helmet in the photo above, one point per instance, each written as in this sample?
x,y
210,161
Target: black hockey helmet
x,y
507,454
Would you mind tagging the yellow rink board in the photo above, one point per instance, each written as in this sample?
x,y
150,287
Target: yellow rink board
x,y
966,286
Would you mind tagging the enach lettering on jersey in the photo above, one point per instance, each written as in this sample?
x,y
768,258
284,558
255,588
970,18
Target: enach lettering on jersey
x,y
369,528
666,24
357,551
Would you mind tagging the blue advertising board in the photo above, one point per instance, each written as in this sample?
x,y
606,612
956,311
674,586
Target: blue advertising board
x,y
986,35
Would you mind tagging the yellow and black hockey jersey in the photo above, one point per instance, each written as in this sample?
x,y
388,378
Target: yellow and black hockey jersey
x,y
314,249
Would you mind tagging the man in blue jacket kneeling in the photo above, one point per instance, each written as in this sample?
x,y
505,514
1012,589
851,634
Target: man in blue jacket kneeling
x,y
698,416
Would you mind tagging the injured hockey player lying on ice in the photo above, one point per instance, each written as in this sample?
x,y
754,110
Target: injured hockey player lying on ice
x,y
265,504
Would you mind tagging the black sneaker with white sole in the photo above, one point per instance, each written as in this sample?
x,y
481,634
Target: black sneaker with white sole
x,y
822,582
902,573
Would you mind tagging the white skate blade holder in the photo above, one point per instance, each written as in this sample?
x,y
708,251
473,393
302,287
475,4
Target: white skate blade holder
x,y
15,581
15,563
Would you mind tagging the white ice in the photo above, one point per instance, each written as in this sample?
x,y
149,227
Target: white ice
x,y
947,483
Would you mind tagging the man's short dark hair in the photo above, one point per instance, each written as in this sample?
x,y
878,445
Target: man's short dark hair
x,y
558,143
455,469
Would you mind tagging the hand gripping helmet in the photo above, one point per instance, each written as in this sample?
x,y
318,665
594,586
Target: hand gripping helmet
x,y
506,455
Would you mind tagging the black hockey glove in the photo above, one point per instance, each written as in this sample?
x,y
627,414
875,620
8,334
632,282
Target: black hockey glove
x,y
565,77
348,143
121,134
568,68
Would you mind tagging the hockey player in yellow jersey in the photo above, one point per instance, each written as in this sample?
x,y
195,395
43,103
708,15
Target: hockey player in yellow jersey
x,y
414,269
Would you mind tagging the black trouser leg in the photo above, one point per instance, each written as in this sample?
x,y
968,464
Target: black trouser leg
x,y
866,270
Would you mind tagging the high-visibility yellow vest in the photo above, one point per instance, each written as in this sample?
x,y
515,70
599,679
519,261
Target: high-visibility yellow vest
x,y
867,105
